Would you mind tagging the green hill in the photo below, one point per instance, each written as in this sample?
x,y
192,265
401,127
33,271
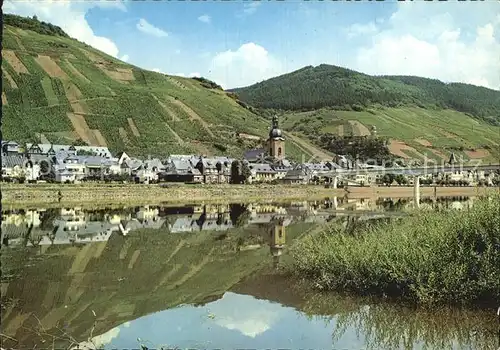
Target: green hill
x,y
420,116
56,89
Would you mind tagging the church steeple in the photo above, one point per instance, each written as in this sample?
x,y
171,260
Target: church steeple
x,y
276,141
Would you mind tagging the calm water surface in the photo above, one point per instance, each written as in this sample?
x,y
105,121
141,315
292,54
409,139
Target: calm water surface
x,y
204,277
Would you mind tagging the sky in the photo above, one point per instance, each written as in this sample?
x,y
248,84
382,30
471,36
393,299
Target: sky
x,y
235,321
239,43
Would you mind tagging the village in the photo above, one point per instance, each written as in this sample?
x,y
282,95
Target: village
x,y
35,163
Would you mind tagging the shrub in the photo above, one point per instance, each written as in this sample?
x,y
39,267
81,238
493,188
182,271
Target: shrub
x,y
429,258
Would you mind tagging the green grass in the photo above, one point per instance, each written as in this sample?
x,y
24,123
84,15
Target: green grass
x,y
49,91
40,103
447,257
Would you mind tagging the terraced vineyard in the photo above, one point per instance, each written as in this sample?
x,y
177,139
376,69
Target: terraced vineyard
x,y
56,89
414,133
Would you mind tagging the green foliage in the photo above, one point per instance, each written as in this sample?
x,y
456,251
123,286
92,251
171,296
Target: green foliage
x,y
207,83
448,256
33,24
343,89
355,146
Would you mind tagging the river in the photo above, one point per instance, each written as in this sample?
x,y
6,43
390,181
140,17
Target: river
x,y
203,277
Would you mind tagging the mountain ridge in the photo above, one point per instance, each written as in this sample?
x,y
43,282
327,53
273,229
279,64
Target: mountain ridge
x,y
348,89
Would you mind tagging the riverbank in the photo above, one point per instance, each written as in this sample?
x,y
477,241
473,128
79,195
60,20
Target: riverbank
x,y
425,191
47,194
429,258
21,195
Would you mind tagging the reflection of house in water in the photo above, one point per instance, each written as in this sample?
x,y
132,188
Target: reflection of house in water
x,y
203,218
16,225
74,225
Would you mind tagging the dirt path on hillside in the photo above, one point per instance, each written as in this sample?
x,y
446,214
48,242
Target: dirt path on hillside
x,y
14,62
76,72
133,127
478,153
423,142
4,99
340,130
397,147
19,43
192,115
50,67
82,129
11,81
123,135
169,111
316,152
177,137
99,138
359,129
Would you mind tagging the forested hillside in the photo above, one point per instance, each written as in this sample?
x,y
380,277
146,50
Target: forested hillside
x,y
312,88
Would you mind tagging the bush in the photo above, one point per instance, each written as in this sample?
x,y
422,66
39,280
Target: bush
x,y
429,258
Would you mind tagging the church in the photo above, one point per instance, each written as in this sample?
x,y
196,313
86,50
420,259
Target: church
x,y
269,162
273,152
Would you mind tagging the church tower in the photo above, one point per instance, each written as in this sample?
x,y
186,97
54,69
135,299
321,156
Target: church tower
x,y
277,240
276,141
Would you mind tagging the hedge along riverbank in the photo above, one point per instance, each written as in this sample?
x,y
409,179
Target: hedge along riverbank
x,y
444,257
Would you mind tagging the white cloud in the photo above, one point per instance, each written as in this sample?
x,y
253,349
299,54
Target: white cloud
x,y
147,28
158,70
70,16
205,19
124,58
97,342
249,64
450,43
358,29
195,74
256,317
249,9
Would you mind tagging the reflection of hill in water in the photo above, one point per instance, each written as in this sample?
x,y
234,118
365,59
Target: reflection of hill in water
x,y
383,325
119,280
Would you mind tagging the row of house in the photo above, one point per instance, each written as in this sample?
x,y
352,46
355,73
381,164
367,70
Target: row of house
x,y
70,163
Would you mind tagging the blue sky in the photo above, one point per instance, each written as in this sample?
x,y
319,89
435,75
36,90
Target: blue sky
x,y
239,322
239,43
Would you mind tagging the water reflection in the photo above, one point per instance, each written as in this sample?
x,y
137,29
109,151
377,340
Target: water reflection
x,y
74,274
33,227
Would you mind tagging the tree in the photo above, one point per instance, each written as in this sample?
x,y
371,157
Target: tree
x,y
235,172
82,152
401,179
45,168
388,179
245,173
239,214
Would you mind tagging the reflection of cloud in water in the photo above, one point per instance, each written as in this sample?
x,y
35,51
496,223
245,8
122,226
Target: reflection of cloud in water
x,y
97,342
245,314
